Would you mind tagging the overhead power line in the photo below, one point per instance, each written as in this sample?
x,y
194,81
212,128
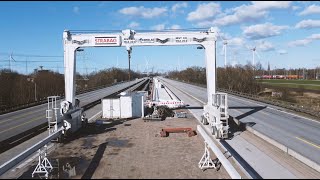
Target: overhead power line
x,y
30,55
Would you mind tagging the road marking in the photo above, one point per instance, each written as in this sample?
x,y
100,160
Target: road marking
x,y
21,138
34,119
274,109
94,116
266,106
5,121
189,95
310,143
19,116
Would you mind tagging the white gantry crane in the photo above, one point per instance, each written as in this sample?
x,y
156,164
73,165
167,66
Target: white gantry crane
x,y
71,116
215,111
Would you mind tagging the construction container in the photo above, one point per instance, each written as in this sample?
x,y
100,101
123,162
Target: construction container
x,y
132,105
127,106
111,108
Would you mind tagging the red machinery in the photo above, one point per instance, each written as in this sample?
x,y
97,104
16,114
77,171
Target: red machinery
x,y
165,132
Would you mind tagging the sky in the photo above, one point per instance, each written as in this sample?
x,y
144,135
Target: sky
x,y
285,33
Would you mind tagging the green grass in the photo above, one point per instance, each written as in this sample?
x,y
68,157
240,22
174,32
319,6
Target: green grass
x,y
306,84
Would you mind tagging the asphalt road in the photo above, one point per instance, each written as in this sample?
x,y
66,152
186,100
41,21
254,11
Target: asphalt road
x,y
296,132
16,122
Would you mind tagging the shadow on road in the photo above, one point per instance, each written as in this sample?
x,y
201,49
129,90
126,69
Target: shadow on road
x,y
193,107
254,110
236,129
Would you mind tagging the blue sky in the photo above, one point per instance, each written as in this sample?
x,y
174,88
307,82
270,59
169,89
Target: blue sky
x,y
285,33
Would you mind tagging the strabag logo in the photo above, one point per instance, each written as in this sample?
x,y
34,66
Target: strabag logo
x,y
106,40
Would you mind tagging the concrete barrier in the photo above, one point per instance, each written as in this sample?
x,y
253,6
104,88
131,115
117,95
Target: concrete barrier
x,y
16,160
266,138
284,148
224,161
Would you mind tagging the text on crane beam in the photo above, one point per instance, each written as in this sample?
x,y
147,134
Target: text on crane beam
x,y
106,40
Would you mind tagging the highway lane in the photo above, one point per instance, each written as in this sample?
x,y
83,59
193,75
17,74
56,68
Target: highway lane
x,y
296,132
14,123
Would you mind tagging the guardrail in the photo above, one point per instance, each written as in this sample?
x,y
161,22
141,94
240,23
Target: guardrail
x,y
279,145
224,161
14,161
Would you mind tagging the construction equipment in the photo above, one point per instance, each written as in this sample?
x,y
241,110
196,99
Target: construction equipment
x,y
165,132
129,38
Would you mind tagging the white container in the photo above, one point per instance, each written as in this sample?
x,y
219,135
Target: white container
x,y
127,106
111,108
131,105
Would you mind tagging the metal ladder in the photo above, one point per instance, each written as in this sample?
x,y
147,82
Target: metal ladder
x,y
220,101
52,114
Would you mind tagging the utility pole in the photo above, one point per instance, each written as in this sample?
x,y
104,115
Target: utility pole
x,y
129,49
26,65
35,87
35,91
10,64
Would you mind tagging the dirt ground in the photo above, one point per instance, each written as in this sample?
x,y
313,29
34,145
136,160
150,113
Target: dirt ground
x,y
133,149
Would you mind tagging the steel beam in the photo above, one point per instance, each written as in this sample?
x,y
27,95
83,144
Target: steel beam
x,y
16,160
224,161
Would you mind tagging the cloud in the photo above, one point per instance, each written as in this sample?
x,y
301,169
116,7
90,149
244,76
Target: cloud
x,y
265,5
250,13
308,24
158,27
241,15
304,42
314,37
265,46
221,34
178,6
237,41
295,8
204,12
133,24
260,31
76,9
313,9
175,26
143,12
282,52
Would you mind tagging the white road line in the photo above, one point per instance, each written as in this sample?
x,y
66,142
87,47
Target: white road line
x,y
94,116
270,108
275,109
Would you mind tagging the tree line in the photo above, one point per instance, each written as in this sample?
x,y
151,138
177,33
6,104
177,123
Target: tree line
x,y
18,89
237,78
